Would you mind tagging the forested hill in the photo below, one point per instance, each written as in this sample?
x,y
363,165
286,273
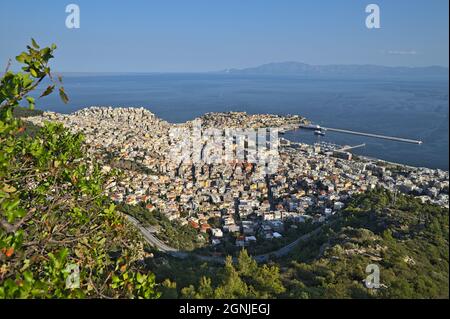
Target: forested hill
x,y
406,239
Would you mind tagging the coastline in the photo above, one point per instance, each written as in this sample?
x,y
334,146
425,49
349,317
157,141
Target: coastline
x,y
306,185
282,129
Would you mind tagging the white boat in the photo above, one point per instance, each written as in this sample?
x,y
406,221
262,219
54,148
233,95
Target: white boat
x,y
319,132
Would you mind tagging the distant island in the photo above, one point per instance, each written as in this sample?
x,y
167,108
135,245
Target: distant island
x,y
298,68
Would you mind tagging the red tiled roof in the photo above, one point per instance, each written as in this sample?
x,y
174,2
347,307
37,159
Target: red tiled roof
x,y
193,224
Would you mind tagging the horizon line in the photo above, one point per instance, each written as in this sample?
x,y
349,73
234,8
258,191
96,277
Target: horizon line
x,y
249,67
259,65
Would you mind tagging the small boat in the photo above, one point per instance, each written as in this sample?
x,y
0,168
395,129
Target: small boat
x,y
319,133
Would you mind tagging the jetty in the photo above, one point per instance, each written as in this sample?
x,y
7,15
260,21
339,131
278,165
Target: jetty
x,y
385,137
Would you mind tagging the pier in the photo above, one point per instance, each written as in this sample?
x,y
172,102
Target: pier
x,y
385,137
349,148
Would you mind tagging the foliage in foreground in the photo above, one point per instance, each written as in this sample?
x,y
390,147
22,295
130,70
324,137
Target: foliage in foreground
x,y
54,217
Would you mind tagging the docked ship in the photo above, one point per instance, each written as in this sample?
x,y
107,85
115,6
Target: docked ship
x,y
319,133
310,127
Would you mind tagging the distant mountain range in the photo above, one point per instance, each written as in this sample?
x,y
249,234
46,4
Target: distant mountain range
x,y
297,68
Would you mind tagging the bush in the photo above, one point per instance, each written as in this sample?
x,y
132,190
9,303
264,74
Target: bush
x,y
59,236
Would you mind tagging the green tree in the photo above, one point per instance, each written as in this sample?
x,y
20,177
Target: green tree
x,y
53,214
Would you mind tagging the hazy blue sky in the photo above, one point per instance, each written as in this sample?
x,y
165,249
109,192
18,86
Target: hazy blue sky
x,y
205,35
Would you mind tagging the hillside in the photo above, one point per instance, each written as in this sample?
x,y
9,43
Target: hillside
x,y
408,241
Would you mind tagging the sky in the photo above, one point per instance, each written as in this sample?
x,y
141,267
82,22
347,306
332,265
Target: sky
x,y
210,35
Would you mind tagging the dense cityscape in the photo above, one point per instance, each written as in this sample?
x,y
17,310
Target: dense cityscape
x,y
311,183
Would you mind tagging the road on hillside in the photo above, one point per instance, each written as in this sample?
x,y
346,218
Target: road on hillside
x,y
148,234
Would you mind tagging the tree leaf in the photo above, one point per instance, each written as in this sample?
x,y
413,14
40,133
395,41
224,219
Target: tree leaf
x,y
30,102
22,57
33,73
48,90
30,99
35,45
9,189
63,95
9,252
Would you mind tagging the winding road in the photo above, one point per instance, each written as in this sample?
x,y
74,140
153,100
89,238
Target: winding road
x,y
148,234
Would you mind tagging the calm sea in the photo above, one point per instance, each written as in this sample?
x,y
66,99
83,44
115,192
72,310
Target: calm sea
x,y
415,109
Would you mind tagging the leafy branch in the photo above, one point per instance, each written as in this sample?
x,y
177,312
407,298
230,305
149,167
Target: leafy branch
x,y
53,208
15,87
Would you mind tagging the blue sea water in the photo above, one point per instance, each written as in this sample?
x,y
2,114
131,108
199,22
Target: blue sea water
x,y
415,109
